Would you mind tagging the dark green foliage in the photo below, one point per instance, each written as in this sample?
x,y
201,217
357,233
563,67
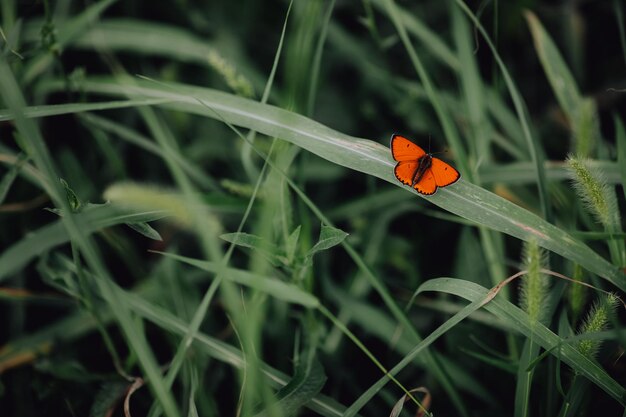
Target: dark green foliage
x,y
198,207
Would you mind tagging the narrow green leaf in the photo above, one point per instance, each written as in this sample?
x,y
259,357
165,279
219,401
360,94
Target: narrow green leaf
x,y
145,229
329,237
532,142
524,378
133,334
532,330
292,244
431,40
515,318
248,240
66,32
72,199
268,249
306,383
275,288
376,322
73,108
107,397
561,79
9,177
620,138
54,234
145,143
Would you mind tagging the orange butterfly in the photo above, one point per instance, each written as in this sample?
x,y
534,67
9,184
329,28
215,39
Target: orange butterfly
x,y
419,169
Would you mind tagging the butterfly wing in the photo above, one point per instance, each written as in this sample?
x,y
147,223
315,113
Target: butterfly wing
x,y
427,185
403,149
405,171
443,173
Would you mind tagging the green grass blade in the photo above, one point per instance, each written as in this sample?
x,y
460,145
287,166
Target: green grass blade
x,y
532,330
515,317
39,153
518,173
9,177
308,380
278,289
560,77
620,138
79,324
67,32
411,356
449,128
54,234
58,109
463,199
427,37
133,137
374,320
516,97
524,378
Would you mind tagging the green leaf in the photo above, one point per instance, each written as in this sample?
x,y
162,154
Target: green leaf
x,y
376,322
107,397
246,240
9,177
429,39
275,288
69,370
74,108
72,199
462,198
292,244
514,317
54,273
309,377
68,31
561,79
535,331
145,229
54,234
532,143
306,383
78,325
329,237
620,138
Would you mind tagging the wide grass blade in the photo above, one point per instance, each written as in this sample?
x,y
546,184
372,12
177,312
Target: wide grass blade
x,y
464,199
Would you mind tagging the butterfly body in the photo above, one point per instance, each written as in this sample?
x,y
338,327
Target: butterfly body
x,y
420,169
423,164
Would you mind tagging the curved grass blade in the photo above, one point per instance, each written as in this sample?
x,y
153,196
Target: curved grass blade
x,y
73,108
464,199
559,76
278,289
514,317
532,330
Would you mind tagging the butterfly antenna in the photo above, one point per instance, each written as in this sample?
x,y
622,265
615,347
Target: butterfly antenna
x,y
429,144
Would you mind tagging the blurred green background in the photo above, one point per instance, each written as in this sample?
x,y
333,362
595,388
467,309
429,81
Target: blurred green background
x,y
199,215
